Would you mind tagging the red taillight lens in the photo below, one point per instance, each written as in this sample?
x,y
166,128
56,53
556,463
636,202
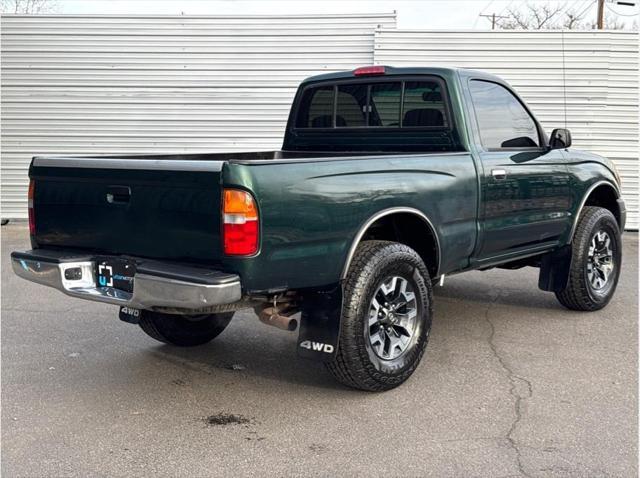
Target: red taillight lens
x,y
369,70
32,217
240,229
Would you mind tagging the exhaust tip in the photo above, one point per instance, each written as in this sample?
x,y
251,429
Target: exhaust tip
x,y
271,316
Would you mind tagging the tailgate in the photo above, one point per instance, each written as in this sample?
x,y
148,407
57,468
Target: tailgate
x,y
156,206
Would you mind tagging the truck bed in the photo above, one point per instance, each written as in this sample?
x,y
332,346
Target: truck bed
x,y
155,206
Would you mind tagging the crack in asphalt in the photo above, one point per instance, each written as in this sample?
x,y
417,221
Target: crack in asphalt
x,y
514,381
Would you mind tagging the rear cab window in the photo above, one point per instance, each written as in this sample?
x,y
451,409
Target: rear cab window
x,y
396,104
384,104
423,105
393,113
316,108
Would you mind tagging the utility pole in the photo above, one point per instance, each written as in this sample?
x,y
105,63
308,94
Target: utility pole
x,y
600,22
493,18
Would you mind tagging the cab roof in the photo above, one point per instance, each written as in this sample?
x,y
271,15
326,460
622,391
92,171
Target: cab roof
x,y
390,71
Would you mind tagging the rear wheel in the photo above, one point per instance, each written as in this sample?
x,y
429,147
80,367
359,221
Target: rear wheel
x,y
183,330
596,257
386,317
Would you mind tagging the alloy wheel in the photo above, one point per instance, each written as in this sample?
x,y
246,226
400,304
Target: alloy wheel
x,y
393,318
600,260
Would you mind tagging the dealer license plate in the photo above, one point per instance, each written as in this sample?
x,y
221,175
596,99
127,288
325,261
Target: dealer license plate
x,y
116,273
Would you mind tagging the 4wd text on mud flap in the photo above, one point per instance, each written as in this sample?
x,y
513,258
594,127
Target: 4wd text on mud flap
x,y
317,346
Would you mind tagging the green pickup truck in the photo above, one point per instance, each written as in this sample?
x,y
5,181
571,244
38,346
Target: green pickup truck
x,y
389,179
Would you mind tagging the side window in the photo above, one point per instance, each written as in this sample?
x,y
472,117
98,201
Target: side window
x,y
384,104
503,121
423,105
351,106
316,108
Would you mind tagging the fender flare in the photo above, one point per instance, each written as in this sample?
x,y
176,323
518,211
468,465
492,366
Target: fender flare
x,y
592,188
387,212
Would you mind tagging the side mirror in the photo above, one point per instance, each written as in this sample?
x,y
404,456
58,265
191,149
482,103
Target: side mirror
x,y
560,139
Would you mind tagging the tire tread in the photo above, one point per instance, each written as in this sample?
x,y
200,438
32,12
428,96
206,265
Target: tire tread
x,y
575,296
348,367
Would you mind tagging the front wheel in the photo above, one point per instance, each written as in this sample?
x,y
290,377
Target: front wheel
x,y
596,257
386,317
183,330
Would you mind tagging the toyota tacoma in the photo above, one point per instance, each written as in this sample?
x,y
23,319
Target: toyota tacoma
x,y
388,180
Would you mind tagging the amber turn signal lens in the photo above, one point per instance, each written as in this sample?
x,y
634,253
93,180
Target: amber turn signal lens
x,y
239,202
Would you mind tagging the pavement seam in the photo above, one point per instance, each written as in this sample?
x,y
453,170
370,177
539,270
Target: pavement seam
x,y
513,390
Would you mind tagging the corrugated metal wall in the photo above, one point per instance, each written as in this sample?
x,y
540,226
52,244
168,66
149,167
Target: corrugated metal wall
x,y
133,84
600,70
119,84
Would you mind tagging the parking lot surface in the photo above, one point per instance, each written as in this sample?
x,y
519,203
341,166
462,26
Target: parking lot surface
x,y
511,384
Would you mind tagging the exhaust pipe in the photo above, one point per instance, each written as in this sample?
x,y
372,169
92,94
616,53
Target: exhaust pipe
x,y
270,315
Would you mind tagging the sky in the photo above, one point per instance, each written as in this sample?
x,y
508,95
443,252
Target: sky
x,y
416,14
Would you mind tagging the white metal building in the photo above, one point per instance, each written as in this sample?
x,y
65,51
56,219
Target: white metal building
x,y
117,84
133,84
595,74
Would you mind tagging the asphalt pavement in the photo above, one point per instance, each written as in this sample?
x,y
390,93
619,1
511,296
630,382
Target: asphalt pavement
x,y
511,384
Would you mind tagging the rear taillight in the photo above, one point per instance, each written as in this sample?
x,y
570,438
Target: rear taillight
x,y
32,217
240,231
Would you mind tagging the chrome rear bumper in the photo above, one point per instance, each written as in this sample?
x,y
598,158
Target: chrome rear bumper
x,y
156,284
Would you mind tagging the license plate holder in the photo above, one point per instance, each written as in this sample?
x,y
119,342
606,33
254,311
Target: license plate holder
x,y
115,272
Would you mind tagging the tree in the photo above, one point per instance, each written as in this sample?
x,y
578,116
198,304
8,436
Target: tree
x,y
572,20
532,17
611,22
30,7
552,16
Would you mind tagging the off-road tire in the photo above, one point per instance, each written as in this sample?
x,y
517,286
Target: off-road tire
x,y
354,364
579,294
181,330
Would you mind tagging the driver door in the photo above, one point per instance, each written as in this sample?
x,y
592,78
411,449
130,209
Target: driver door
x,y
525,186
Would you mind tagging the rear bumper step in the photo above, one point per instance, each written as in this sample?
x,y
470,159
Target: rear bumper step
x,y
155,284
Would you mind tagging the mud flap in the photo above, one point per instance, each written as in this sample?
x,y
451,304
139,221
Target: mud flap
x,y
320,323
554,270
129,315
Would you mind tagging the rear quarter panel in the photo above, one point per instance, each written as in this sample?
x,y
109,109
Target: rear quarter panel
x,y
311,211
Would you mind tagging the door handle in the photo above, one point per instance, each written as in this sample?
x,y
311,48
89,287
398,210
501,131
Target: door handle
x,y
499,174
118,194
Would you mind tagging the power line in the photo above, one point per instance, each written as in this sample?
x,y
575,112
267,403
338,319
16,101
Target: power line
x,y
620,14
573,17
571,6
566,9
481,12
505,8
574,7
589,5
487,7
